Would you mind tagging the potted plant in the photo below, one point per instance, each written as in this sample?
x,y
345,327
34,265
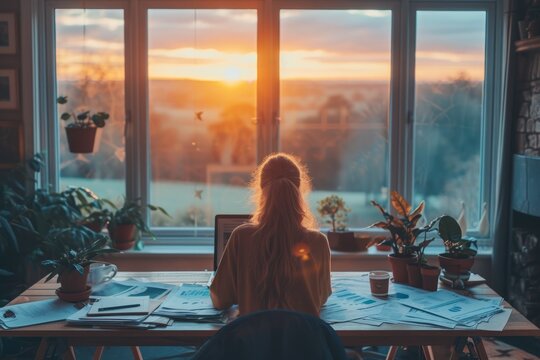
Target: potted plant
x,y
96,214
332,208
81,133
74,249
458,258
403,233
126,221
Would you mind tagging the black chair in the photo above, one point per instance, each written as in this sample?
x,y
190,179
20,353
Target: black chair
x,y
274,335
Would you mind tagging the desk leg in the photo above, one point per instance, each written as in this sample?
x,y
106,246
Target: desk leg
x,y
480,349
428,352
42,349
392,351
70,354
136,353
458,347
98,353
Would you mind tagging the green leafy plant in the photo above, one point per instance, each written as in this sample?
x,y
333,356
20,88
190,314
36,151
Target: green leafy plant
x,y
75,248
456,246
83,119
131,212
332,208
403,227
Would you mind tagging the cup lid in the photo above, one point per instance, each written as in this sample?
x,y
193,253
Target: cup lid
x,y
379,274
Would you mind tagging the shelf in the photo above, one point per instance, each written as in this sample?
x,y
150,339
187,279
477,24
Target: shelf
x,y
528,44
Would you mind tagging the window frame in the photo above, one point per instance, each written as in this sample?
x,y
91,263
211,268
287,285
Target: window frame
x,y
402,86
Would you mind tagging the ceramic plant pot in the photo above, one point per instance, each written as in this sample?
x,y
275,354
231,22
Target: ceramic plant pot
x,y
81,140
455,266
399,267
73,287
414,275
430,277
95,226
123,236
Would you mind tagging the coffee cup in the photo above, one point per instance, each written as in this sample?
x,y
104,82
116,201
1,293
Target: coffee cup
x,y
101,272
378,281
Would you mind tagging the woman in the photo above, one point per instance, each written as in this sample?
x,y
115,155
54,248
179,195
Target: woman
x,y
276,260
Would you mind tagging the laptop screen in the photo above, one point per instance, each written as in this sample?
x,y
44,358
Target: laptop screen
x,y
223,227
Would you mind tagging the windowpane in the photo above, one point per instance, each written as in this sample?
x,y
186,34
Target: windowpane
x,y
335,80
90,72
449,105
202,108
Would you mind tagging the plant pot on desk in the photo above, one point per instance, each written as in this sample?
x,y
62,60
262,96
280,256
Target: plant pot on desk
x,y
73,287
430,277
414,276
455,265
399,266
122,236
81,139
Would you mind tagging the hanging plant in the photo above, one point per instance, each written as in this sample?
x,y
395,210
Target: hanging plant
x,y
81,132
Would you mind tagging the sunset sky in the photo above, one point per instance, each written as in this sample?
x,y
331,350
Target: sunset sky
x,y
315,44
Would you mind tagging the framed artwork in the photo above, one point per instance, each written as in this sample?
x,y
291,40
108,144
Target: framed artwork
x,y
11,144
8,39
9,90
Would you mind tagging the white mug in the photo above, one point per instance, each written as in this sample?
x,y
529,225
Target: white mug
x,y
101,272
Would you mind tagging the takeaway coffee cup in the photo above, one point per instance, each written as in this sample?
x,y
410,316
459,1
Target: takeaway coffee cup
x,y
101,272
378,280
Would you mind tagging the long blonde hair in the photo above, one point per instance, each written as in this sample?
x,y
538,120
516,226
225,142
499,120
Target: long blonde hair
x,y
282,217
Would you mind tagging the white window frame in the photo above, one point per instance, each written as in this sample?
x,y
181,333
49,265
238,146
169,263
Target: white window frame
x,y
401,104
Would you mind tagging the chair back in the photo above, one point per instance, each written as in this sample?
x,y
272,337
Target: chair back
x,y
274,335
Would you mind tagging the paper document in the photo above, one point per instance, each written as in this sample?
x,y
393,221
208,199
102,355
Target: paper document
x,y
131,288
190,302
120,305
35,312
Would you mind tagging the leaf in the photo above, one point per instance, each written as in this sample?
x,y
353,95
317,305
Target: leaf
x,y
62,100
400,204
380,224
65,116
449,229
419,210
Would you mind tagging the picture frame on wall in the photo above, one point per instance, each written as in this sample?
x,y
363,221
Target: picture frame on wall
x,y
9,89
11,144
8,36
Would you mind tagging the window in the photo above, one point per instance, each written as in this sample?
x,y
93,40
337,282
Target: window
x,y
90,71
371,98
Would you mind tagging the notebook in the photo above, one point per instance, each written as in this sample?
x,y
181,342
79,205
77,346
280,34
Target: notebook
x,y
120,305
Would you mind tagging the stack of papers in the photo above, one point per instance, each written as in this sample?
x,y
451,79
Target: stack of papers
x,y
120,305
190,303
132,288
352,302
35,312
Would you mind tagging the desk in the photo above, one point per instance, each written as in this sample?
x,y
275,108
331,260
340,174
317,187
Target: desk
x,y
183,333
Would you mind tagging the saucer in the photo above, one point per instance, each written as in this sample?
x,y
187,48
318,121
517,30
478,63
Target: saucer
x,y
74,297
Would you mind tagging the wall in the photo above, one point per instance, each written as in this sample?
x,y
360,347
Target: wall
x,y
11,120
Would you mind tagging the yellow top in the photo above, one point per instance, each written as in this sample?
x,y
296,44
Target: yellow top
x,y
235,280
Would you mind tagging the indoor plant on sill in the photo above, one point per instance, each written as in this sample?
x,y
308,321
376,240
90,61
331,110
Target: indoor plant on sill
x,y
127,221
81,133
332,208
421,274
74,247
403,233
458,259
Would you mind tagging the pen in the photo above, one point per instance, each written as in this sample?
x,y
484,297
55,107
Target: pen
x,y
119,307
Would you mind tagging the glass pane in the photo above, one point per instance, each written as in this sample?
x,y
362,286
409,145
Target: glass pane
x,y
90,72
449,104
202,108
335,80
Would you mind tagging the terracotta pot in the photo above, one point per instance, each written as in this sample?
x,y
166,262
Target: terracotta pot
x,y
122,233
342,241
399,267
74,296
414,276
430,277
454,265
72,281
123,245
81,140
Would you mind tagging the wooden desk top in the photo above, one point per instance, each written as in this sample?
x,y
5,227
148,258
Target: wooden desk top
x,y
195,333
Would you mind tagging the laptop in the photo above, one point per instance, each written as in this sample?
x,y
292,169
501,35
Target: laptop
x,y
223,227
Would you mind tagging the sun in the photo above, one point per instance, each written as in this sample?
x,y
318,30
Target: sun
x,y
231,75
